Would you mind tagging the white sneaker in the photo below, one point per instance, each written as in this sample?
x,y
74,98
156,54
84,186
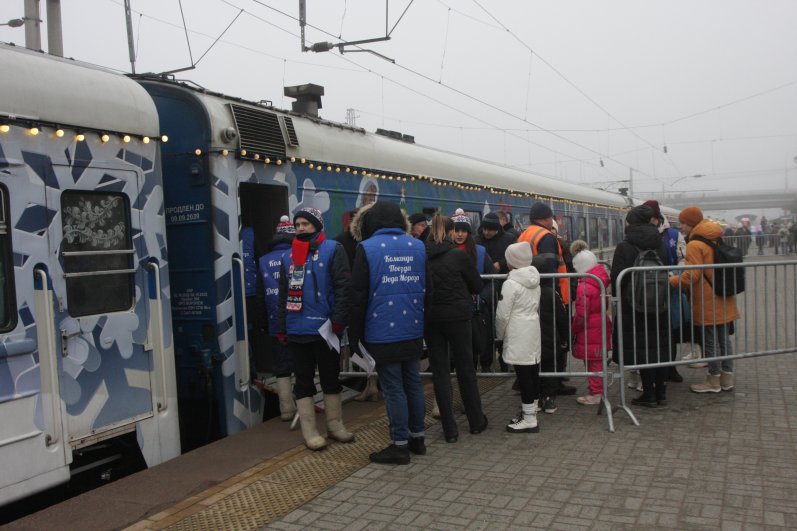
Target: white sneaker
x,y
589,400
634,381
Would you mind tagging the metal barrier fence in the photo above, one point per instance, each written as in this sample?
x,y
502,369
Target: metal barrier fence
x,y
767,324
759,321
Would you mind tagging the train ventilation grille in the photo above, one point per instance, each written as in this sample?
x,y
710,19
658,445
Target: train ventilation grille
x,y
293,140
259,132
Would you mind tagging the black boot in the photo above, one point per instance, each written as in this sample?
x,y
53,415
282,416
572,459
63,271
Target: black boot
x,y
392,455
661,396
417,445
673,376
645,400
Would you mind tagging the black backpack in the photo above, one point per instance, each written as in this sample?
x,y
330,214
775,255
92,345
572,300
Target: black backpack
x,y
651,290
727,281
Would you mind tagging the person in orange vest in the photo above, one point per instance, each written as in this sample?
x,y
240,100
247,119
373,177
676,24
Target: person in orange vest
x,y
544,244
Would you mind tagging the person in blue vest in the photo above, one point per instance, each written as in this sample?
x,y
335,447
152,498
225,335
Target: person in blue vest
x,y
481,324
388,295
269,266
314,280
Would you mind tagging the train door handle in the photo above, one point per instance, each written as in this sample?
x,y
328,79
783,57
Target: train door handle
x,y
47,361
243,360
155,289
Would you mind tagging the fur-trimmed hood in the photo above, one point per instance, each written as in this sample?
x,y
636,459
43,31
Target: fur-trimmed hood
x,y
378,215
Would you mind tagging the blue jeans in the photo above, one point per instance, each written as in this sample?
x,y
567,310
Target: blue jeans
x,y
404,400
716,342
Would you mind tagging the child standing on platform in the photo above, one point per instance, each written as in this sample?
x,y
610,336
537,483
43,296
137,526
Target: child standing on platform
x,y
587,326
517,323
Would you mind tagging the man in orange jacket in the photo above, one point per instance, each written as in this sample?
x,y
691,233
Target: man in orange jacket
x,y
544,244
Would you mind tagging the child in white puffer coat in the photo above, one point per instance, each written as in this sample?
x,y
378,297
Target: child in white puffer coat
x,y
517,324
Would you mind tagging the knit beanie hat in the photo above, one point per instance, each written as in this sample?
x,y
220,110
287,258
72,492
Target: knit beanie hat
x,y
691,215
461,221
418,218
639,215
652,203
584,261
285,226
519,255
540,211
313,215
490,222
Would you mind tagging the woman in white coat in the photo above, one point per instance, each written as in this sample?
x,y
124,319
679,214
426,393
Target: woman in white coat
x,y
517,323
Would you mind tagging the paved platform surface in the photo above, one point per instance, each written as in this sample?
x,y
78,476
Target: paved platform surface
x,y
720,461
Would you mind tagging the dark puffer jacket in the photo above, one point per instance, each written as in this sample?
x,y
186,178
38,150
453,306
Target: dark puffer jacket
x,y
455,279
496,247
645,339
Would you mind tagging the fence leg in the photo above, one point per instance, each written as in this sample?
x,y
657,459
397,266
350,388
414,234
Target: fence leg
x,y
623,404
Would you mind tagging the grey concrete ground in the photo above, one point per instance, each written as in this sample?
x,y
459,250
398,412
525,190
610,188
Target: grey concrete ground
x,y
722,461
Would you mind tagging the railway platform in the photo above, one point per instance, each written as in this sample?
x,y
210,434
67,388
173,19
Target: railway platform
x,y
722,461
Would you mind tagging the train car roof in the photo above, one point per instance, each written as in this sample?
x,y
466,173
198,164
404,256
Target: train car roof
x,y
326,141
44,88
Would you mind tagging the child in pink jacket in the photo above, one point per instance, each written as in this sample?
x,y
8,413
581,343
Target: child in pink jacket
x,y
587,336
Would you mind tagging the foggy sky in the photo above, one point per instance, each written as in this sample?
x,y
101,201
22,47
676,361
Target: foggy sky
x,y
463,83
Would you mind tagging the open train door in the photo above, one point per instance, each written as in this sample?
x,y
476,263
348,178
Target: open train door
x,y
261,206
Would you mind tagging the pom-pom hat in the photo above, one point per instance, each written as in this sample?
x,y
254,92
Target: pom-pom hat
x,y
313,215
285,226
461,221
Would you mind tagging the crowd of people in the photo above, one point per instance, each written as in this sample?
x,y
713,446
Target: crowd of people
x,y
400,288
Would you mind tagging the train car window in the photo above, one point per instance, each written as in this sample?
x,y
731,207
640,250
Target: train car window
x,y
97,250
593,233
603,232
566,229
8,311
581,231
475,220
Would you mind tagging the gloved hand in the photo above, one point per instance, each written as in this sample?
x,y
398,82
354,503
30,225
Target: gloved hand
x,y
282,338
338,328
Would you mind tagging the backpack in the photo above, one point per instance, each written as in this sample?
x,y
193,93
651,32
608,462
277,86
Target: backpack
x,y
727,281
651,290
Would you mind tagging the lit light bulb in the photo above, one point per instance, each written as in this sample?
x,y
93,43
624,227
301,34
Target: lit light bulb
x,y
309,165
33,131
257,156
267,161
279,162
164,138
355,172
348,170
126,139
197,152
5,128
329,168
105,138
145,140
80,137
303,161
243,152
225,152
59,133
337,170
293,159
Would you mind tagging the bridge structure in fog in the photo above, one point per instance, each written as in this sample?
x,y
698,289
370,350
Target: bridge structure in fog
x,y
736,200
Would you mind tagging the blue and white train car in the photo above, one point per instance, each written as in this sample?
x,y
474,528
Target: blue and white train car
x,y
86,353
231,164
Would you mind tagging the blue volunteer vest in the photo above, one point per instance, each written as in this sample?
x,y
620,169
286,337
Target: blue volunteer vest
x,y
250,267
481,254
318,299
671,242
397,265
270,265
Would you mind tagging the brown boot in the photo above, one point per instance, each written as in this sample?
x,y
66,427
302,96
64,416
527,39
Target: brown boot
x,y
711,385
726,381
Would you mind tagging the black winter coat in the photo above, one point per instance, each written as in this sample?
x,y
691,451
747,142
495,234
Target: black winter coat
x,y
646,339
496,247
455,279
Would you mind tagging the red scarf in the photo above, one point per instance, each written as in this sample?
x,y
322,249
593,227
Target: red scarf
x,y
300,249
